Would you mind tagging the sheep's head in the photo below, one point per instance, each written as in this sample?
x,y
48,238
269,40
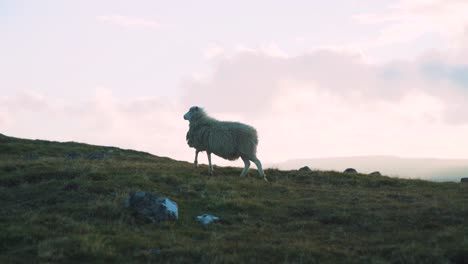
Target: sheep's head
x,y
194,113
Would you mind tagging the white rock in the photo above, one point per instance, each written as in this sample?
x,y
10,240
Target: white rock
x,y
207,218
171,206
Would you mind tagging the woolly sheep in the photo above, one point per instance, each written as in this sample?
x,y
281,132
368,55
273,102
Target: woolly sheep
x,y
229,140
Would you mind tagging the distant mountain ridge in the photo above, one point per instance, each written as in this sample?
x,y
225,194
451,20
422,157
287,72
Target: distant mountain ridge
x,y
420,168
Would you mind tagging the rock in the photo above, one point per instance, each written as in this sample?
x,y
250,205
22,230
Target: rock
x,y
305,168
464,180
152,207
375,173
207,219
350,170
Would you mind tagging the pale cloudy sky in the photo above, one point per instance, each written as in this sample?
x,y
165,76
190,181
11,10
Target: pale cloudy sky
x,y
316,78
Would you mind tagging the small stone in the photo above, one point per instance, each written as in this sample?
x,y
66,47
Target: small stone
x,y
375,173
350,170
207,219
305,168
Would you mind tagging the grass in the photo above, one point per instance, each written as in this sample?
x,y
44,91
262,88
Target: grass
x,y
61,204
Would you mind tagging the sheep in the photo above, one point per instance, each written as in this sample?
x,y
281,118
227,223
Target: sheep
x,y
228,140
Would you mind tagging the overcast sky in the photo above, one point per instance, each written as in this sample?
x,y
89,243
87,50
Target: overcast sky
x,y
316,78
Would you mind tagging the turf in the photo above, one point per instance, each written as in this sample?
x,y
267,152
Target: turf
x,y
64,203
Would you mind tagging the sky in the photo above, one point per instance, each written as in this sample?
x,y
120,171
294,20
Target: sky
x,y
315,78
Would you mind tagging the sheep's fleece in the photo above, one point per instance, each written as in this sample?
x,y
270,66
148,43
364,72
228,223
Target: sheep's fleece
x,y
229,140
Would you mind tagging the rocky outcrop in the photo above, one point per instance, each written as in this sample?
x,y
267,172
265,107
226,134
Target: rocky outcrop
x,y
152,207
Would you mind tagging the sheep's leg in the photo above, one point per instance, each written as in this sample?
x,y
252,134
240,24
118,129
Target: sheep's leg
x,y
210,167
259,168
196,158
246,166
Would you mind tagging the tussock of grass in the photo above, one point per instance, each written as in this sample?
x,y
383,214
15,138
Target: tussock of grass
x,y
70,210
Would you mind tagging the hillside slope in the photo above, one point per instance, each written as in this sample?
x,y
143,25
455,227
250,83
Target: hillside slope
x,y
63,203
414,168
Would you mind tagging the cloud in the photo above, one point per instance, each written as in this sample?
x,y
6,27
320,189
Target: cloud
x,y
408,20
127,21
26,100
315,105
247,81
237,85
309,122
147,123
4,120
460,51
327,102
213,51
333,102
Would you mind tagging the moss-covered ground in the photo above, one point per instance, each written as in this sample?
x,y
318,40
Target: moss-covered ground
x,y
64,203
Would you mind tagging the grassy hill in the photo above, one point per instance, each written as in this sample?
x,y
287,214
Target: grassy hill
x,y
408,168
63,203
